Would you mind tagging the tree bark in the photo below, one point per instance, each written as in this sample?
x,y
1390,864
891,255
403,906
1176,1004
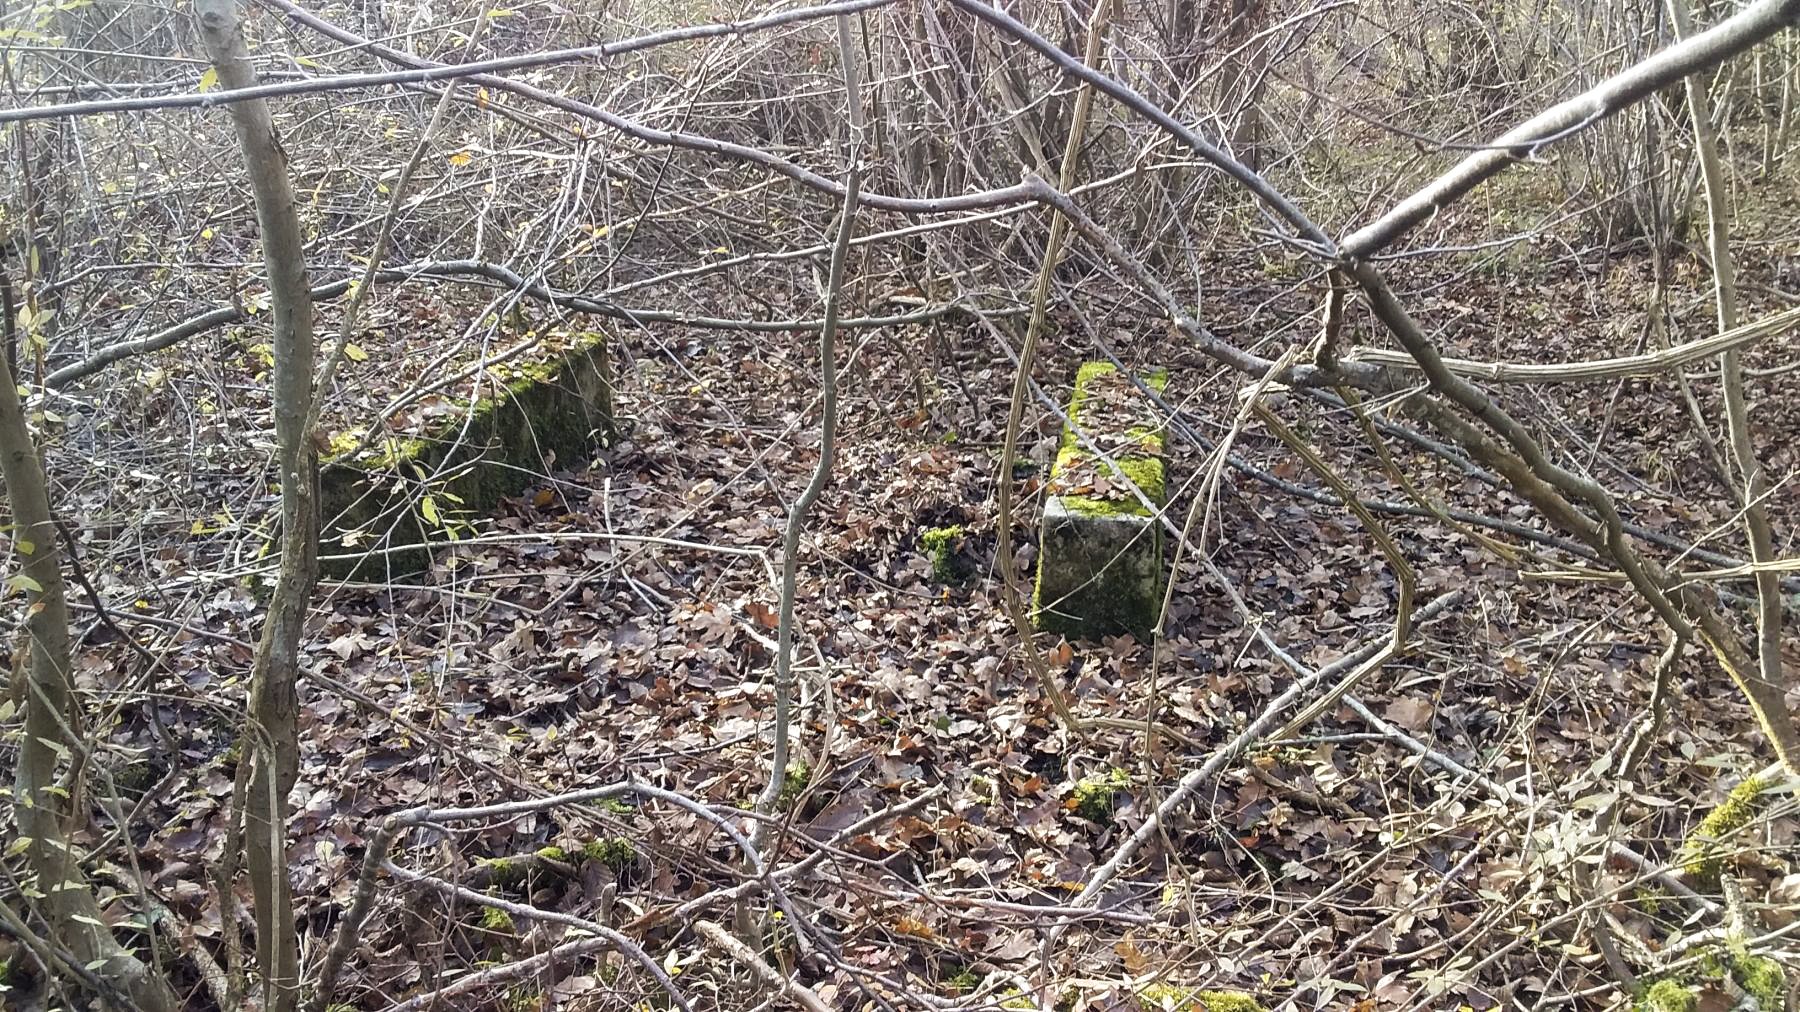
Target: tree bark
x,y
271,735
41,807
1767,685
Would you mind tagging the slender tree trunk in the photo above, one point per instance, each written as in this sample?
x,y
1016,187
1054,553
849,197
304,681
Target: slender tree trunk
x,y
1243,78
41,807
1768,687
271,736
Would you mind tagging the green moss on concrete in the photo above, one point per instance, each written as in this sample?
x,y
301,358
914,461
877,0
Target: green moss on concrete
x,y
1667,996
421,491
1703,854
1144,469
1147,473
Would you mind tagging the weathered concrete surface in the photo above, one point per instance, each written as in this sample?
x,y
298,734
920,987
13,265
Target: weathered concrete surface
x,y
1100,551
381,509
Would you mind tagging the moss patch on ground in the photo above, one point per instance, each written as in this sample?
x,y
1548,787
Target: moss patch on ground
x,y
390,508
1760,977
1763,979
1667,996
1169,998
1096,796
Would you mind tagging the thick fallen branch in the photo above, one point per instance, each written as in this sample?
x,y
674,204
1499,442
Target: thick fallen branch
x,y
489,977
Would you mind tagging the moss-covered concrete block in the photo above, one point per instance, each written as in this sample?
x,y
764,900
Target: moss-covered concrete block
x,y
389,508
1100,550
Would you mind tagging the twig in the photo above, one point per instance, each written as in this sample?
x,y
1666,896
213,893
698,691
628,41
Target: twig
x,y
828,419
1034,329
617,941
1127,851
744,956
492,976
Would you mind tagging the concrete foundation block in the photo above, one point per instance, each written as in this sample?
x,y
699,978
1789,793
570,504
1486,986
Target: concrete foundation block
x,y
1100,549
384,512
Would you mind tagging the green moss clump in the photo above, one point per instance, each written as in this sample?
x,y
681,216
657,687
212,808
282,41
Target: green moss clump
x,y
134,779
1763,979
1160,996
613,851
942,542
799,774
1227,1001
1702,856
1095,795
496,920
962,980
1667,995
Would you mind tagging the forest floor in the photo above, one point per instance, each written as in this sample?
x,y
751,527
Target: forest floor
x,y
1331,869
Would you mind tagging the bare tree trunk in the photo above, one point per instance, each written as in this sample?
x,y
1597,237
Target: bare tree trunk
x,y
1243,78
271,736
1768,686
43,808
